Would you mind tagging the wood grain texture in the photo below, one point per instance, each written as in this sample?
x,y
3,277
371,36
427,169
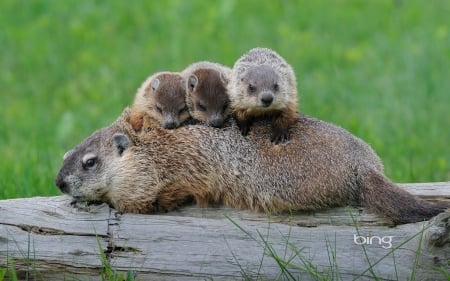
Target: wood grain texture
x,y
48,238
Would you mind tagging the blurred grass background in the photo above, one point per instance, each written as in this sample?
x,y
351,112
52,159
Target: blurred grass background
x,y
380,69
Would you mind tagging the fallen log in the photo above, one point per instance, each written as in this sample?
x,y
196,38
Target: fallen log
x,y
46,238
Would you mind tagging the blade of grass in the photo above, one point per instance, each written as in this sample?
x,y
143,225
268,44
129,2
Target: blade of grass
x,y
416,257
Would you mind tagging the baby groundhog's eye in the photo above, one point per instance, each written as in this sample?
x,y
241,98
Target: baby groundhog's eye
x,y
201,106
89,163
159,109
251,88
276,87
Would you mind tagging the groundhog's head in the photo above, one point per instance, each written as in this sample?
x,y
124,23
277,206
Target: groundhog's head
x,y
260,87
206,96
163,97
90,169
123,167
262,81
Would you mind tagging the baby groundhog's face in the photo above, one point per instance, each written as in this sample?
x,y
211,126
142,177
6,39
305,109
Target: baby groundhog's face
x,y
207,97
261,88
86,173
167,98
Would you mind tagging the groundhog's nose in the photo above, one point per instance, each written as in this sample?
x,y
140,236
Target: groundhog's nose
x,y
170,122
170,125
266,99
216,121
62,184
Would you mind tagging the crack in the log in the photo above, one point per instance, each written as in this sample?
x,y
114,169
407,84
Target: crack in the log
x,y
111,247
53,214
40,230
52,267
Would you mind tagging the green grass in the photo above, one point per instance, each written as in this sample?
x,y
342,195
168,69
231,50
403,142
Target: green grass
x,y
377,68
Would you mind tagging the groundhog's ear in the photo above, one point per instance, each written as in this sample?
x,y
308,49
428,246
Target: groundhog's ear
x,y
241,72
121,142
192,82
67,154
155,84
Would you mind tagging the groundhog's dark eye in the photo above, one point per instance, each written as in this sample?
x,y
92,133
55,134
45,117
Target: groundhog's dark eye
x,y
276,87
90,163
201,106
251,88
159,109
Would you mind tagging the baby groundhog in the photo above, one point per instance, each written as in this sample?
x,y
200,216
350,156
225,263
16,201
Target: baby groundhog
x,y
206,93
263,85
162,96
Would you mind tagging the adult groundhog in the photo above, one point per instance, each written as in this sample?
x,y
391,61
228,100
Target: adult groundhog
x,y
206,92
156,169
163,97
263,84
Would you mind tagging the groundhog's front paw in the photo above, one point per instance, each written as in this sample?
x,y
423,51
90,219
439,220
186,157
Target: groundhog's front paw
x,y
244,130
84,205
244,127
280,137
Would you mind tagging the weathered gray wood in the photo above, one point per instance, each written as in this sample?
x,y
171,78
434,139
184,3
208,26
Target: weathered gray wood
x,y
434,190
52,234
49,239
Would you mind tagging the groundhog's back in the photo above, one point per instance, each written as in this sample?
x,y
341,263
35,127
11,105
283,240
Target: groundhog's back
x,y
317,168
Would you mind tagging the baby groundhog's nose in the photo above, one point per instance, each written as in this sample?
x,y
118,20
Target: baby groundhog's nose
x,y
266,99
216,121
170,123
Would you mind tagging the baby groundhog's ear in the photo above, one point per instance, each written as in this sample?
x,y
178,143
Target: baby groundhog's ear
x,y
155,84
121,142
192,82
225,79
241,72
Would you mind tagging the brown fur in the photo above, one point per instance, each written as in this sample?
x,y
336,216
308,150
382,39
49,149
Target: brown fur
x,y
281,121
156,169
162,96
263,85
206,93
